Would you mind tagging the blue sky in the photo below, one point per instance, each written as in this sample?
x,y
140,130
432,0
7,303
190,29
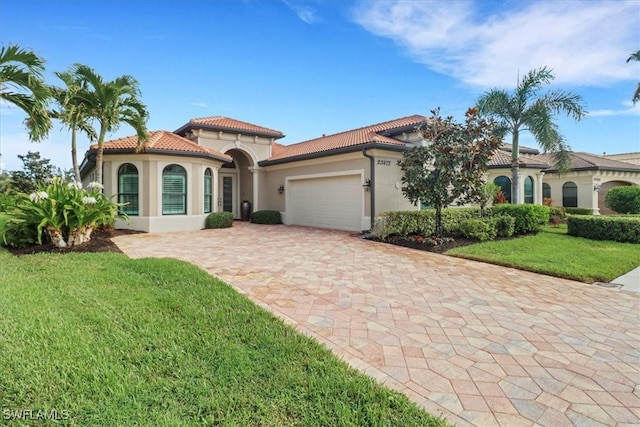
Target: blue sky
x,y
309,68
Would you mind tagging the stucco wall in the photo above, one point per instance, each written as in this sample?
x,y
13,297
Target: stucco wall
x,y
150,168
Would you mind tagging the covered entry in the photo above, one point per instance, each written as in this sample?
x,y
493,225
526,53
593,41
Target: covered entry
x,y
335,202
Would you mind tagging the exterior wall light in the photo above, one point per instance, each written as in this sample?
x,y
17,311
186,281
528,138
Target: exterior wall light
x,y
367,185
281,189
597,187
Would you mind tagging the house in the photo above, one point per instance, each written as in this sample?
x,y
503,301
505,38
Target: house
x,y
589,178
339,181
214,164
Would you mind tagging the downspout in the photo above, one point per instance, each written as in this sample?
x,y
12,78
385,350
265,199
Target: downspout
x,y
372,172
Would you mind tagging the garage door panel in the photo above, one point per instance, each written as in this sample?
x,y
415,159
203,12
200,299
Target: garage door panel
x,y
329,202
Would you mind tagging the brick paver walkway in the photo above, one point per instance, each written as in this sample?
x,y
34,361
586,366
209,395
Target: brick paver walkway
x,y
480,344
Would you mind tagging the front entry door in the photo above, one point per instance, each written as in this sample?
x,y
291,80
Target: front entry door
x,y
227,191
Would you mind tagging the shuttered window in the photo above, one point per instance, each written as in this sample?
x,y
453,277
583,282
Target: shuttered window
x,y
174,190
128,189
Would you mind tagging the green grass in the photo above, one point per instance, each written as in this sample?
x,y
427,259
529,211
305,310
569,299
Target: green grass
x,y
554,252
110,341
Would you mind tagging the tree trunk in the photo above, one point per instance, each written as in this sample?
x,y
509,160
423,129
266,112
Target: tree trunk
x,y
100,151
74,156
515,168
438,221
515,184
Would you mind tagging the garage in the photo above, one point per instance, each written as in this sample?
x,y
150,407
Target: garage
x,y
335,202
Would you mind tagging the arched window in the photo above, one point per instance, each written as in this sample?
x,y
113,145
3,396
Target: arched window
x,y
528,190
208,180
174,190
505,185
570,195
546,191
128,189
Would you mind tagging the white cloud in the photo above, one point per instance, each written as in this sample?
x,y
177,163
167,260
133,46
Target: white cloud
x,y
199,104
306,13
584,42
629,110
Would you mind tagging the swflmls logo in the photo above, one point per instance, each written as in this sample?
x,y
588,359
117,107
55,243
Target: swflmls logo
x,y
30,414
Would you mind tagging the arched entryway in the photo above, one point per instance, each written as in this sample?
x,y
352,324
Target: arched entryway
x,y
235,182
604,210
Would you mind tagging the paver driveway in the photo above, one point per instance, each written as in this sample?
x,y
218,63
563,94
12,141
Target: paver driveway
x,y
480,344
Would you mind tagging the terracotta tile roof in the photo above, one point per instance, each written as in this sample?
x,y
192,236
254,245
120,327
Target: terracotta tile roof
x,y
230,125
522,149
502,159
162,141
373,133
588,161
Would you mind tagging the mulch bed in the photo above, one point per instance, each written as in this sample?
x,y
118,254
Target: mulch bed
x,y
100,242
439,249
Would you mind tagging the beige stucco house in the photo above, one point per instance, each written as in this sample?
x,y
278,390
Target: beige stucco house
x,y
214,164
340,181
583,186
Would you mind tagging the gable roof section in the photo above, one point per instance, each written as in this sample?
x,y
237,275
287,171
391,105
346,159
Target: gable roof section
x,y
161,142
225,124
351,140
587,161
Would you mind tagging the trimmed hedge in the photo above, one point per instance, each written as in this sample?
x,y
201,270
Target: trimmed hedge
x,y
528,218
481,229
422,222
505,225
579,211
619,229
219,220
266,217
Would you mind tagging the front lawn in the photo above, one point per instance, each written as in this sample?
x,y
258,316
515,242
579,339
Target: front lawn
x,y
555,253
103,340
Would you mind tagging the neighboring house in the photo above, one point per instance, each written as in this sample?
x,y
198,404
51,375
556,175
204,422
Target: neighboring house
x,y
584,185
339,181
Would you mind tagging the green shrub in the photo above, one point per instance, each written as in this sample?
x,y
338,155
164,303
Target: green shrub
x,y
624,200
19,234
8,202
579,211
528,218
505,225
617,228
266,217
422,222
557,211
219,220
479,229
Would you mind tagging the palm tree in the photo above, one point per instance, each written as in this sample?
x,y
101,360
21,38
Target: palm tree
x,y
111,104
73,112
22,84
524,110
635,57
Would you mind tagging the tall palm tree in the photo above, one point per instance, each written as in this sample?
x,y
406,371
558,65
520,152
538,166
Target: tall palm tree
x,y
73,112
112,103
525,109
22,84
635,57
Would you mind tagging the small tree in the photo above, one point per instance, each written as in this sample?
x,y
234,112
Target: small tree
x,y
487,193
450,167
35,170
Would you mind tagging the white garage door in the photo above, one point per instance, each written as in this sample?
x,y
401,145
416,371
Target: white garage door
x,y
328,202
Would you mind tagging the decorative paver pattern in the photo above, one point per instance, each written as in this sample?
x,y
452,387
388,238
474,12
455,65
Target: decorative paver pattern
x,y
480,344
